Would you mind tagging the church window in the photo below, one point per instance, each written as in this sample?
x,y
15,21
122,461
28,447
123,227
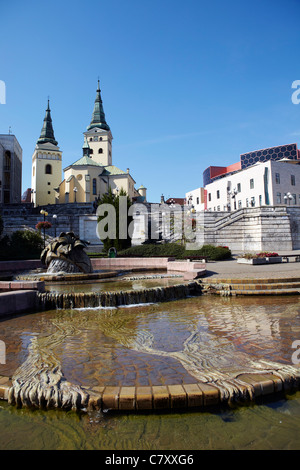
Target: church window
x,y
100,138
91,151
100,151
48,169
96,139
94,186
91,139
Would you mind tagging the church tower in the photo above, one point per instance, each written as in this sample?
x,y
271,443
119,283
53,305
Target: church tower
x,y
46,165
98,134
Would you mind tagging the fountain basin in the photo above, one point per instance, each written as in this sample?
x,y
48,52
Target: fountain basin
x,y
189,353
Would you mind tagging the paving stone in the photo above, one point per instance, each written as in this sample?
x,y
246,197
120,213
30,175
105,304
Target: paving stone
x,y
160,397
178,398
254,381
144,398
211,394
110,398
194,395
4,392
127,398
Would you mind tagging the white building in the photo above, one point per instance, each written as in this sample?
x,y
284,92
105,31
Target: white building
x,y
196,199
269,183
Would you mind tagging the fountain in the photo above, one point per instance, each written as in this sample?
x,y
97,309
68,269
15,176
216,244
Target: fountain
x,y
187,357
65,254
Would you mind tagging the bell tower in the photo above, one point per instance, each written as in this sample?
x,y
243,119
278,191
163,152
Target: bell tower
x,y
98,134
46,165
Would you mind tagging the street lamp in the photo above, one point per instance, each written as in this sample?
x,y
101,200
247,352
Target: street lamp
x,y
54,217
44,213
288,196
75,191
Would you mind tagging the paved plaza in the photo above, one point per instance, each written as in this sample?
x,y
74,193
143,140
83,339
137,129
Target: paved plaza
x,y
232,269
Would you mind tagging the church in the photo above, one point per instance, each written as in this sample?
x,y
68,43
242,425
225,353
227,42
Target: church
x,y
89,177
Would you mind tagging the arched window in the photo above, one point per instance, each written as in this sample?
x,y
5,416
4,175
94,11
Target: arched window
x,y
48,169
100,151
94,186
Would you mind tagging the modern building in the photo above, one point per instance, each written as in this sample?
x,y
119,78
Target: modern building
x,y
10,169
46,165
264,177
263,184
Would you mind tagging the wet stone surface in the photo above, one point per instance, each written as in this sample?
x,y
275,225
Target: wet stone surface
x,y
166,344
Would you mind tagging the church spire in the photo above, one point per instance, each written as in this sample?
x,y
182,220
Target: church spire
x,y
47,133
98,118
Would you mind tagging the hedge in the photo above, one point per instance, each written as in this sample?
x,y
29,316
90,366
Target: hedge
x,y
148,250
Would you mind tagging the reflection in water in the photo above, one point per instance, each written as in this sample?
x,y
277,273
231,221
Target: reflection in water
x,y
269,426
200,339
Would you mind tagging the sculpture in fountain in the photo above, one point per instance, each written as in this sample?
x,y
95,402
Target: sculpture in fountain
x,y
66,254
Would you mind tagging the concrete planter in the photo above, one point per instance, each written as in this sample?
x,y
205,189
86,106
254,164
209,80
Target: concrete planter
x,y
252,261
273,259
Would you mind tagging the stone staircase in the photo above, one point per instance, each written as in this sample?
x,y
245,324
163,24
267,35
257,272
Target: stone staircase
x,y
231,287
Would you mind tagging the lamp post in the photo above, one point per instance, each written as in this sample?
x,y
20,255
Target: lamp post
x,y
75,191
54,217
44,213
288,197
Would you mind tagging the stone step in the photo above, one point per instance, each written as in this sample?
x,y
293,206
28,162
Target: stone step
x,y
283,280
271,286
266,292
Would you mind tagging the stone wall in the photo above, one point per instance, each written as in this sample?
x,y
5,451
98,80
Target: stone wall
x,y
275,228
25,216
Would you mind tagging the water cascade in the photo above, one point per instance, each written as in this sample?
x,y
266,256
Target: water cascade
x,y
50,300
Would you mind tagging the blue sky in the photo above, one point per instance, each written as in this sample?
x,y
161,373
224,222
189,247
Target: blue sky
x,y
184,85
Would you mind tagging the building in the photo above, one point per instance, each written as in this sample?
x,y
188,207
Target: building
x,y
10,169
46,165
91,176
264,184
264,177
195,199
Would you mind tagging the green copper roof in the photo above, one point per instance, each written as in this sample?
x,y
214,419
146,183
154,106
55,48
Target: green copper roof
x,y
47,134
86,148
85,160
113,170
98,118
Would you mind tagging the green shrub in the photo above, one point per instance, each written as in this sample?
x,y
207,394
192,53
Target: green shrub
x,y
23,244
147,250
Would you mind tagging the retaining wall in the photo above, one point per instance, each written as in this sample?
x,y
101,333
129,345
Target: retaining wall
x,y
17,302
269,228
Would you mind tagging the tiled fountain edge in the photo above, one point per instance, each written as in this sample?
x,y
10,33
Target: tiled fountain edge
x,y
167,397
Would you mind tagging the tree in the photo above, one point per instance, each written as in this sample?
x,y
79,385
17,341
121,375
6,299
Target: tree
x,y
113,220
